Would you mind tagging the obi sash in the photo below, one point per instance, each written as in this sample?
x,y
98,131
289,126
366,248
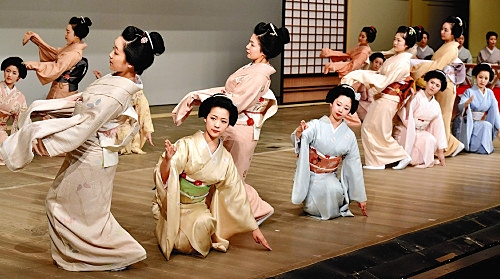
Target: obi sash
x,y
194,190
319,163
478,115
402,89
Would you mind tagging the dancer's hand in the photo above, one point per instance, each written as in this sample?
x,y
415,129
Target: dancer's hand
x,y
259,238
170,150
149,138
362,206
300,129
97,74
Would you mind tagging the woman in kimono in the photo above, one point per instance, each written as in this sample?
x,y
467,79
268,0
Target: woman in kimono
x,y
200,199
12,101
490,53
479,110
355,58
321,144
392,84
84,234
413,50
64,67
447,54
420,126
248,88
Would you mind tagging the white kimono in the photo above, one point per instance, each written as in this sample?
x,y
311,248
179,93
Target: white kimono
x,y
325,195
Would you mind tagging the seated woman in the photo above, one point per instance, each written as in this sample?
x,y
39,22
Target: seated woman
x,y
200,199
355,58
12,101
321,144
420,127
479,111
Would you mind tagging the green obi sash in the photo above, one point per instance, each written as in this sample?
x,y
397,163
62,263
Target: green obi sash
x,y
190,190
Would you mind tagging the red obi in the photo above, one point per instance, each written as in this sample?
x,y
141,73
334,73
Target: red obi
x,y
319,163
401,89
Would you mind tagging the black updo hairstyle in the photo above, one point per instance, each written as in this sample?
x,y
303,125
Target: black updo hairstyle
x,y
409,34
346,90
141,47
220,101
376,55
80,26
371,33
272,39
15,61
439,75
420,32
483,67
457,26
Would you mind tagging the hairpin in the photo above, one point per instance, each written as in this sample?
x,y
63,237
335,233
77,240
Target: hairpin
x,y
411,31
274,31
83,19
459,21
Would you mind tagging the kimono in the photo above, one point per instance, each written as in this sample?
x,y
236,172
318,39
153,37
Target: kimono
x,y
185,220
464,55
324,193
420,130
55,66
444,56
392,52
422,53
12,103
481,120
489,56
376,131
248,88
356,56
84,234
141,106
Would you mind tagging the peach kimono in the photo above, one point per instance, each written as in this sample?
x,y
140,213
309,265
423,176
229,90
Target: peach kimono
x,y
54,62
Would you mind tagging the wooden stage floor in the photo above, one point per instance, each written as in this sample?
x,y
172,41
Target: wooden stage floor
x,y
399,202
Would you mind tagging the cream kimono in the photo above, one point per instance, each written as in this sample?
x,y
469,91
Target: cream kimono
x,y
421,130
141,106
54,62
248,88
327,195
376,132
444,56
84,234
184,221
12,103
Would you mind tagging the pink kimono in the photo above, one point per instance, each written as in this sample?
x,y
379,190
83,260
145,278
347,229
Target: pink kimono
x,y
12,102
248,87
53,63
421,130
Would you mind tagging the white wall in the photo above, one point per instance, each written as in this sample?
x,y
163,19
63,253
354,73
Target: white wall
x,y
205,40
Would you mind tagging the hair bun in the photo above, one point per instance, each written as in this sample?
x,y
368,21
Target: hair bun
x,y
284,34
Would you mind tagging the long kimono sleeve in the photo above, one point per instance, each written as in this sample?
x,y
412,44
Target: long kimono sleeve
x,y
351,173
23,107
466,128
302,174
185,106
230,206
493,116
444,56
436,128
48,71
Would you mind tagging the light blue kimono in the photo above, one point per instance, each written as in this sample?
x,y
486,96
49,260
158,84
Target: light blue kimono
x,y
478,135
322,194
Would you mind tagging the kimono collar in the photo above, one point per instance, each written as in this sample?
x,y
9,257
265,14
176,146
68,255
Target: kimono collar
x,y
264,68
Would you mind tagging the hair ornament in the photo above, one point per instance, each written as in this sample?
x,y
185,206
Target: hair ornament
x,y
411,31
459,21
83,20
274,30
357,96
348,87
441,72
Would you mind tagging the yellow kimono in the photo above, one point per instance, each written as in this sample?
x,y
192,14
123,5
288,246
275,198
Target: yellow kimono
x,y
444,56
187,223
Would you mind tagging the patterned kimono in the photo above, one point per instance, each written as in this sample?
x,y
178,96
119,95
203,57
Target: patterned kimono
x,y
184,221
12,103
84,234
318,186
420,130
444,56
141,106
54,62
356,56
248,87
376,132
481,120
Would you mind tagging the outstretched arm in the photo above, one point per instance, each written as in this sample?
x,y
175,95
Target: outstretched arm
x,y
170,150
